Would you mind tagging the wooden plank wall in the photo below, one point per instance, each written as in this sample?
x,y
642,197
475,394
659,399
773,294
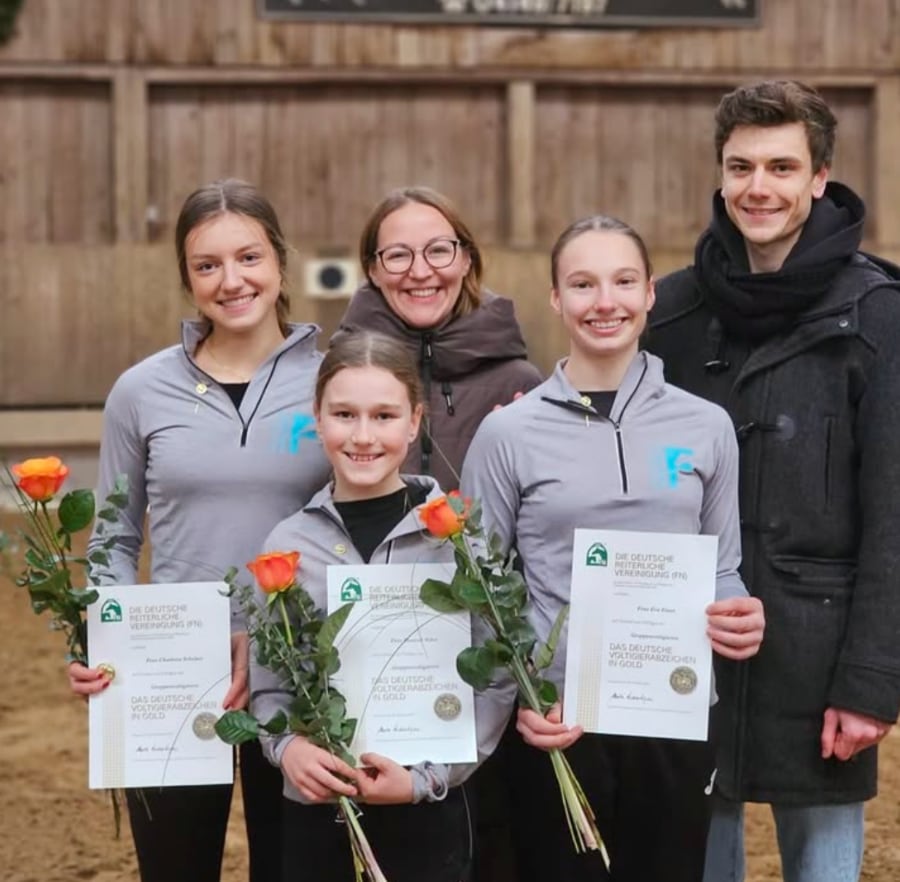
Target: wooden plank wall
x,y
112,111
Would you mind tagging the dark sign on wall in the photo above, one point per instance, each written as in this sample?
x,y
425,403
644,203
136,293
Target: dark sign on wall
x,y
555,13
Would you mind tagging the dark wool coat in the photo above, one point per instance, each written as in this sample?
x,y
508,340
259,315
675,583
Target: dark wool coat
x,y
817,413
468,365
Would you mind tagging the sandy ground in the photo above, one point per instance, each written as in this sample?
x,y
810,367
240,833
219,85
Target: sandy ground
x,y
56,830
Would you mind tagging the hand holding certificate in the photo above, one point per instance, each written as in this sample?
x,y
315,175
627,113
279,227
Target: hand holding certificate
x,y
167,649
639,661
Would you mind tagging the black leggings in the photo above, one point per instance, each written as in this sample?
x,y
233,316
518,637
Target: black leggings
x,y
179,832
428,842
651,801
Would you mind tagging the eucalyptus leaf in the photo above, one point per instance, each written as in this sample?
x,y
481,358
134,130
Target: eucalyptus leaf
x,y
476,666
544,657
503,654
348,729
50,587
331,626
38,562
331,662
84,596
548,695
337,708
119,495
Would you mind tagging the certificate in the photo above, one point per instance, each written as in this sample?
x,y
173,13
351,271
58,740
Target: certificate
x,y
638,660
169,650
398,665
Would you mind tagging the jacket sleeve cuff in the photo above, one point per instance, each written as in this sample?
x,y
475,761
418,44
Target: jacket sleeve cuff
x,y
274,748
429,781
866,690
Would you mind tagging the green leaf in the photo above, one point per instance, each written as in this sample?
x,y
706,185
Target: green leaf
x,y
544,657
547,694
118,498
495,545
457,503
330,662
438,596
49,588
277,725
511,591
337,707
37,561
469,592
348,729
476,666
84,596
331,626
237,727
345,755
501,652
76,510
521,634
99,557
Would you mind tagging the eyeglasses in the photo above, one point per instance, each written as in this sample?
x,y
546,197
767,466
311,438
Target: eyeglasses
x,y
438,253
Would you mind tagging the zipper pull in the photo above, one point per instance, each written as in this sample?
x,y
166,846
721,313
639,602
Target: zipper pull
x,y
585,401
447,392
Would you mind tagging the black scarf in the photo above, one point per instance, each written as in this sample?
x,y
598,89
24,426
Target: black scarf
x,y
753,306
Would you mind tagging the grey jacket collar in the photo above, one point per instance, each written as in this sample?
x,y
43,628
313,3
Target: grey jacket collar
x,y
643,380
323,503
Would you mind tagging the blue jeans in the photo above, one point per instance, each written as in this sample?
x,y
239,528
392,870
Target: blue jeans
x,y
818,843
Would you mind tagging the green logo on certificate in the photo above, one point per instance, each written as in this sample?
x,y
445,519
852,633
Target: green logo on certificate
x,y
111,611
351,590
683,680
596,555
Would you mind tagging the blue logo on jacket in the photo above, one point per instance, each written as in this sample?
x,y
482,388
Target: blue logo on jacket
x,y
293,428
678,462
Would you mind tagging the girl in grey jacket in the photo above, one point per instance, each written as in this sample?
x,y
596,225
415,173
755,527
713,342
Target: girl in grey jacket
x,y
216,438
605,442
368,411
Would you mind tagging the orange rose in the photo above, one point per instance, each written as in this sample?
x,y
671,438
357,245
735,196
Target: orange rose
x,y
40,478
444,518
275,572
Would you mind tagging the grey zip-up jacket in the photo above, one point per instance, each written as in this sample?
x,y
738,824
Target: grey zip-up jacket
x,y
318,533
547,464
213,479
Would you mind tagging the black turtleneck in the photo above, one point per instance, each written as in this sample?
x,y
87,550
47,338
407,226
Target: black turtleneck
x,y
368,521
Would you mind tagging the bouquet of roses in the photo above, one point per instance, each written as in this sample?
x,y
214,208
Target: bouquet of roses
x,y
293,639
50,566
486,584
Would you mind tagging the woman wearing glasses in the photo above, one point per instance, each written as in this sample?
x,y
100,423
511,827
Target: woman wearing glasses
x,y
424,288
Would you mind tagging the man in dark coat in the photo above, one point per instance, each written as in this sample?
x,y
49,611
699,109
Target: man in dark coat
x,y
786,324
